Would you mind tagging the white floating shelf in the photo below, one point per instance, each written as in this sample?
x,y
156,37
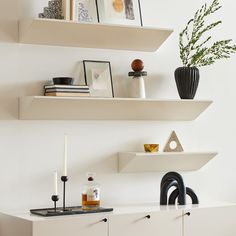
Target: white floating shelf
x,y
70,108
151,162
87,35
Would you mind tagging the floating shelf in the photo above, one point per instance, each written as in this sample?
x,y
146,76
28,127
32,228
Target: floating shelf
x,y
150,162
70,108
87,35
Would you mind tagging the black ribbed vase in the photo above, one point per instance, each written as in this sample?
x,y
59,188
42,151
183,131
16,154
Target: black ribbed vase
x,y
187,79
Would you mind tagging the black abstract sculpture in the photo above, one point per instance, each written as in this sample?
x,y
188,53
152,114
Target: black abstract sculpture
x,y
173,179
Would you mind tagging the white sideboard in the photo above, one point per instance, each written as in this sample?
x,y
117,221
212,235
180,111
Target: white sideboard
x,y
136,220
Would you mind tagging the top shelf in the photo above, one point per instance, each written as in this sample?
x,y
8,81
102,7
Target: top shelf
x,y
87,35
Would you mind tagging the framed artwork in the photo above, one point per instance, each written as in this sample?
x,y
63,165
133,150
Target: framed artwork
x,y
99,78
123,12
84,11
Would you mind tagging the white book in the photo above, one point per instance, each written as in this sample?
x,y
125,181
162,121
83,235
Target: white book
x,y
66,9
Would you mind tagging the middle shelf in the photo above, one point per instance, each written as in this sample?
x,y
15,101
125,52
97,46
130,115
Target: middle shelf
x,y
149,162
70,108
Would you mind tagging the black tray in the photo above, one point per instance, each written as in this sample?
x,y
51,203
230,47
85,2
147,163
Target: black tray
x,y
75,210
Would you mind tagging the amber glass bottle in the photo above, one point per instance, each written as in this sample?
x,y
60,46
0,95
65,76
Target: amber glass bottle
x,y
91,194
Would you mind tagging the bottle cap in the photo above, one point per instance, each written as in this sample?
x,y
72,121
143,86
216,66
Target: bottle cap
x,y
91,176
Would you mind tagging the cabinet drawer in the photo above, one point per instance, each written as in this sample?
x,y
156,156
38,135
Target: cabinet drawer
x,y
159,223
217,221
71,226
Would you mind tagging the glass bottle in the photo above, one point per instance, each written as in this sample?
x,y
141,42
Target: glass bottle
x,y
91,194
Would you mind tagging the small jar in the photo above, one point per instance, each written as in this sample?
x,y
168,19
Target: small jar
x,y
91,194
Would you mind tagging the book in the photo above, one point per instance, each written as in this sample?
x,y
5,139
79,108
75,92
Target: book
x,y
66,9
67,94
56,86
67,90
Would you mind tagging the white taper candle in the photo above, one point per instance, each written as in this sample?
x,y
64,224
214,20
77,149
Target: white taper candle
x,y
55,184
65,157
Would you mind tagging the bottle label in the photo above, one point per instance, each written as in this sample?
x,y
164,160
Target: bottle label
x,y
93,194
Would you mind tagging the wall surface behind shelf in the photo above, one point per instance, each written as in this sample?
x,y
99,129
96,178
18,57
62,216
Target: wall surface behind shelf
x,y
31,150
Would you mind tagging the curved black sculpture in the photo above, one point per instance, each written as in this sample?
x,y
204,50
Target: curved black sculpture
x,y
169,180
164,190
173,179
174,195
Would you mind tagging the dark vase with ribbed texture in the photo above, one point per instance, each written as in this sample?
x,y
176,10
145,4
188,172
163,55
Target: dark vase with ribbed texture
x,y
187,79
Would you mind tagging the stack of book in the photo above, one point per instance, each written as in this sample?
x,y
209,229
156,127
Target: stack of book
x,y
66,90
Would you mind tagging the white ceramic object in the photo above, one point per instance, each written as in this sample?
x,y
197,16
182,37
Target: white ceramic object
x,y
137,88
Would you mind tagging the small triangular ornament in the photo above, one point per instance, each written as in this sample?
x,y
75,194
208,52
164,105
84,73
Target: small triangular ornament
x,y
173,139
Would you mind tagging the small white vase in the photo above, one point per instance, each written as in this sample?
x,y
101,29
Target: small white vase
x,y
137,88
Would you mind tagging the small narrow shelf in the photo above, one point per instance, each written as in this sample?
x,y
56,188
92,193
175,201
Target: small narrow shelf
x,y
150,162
70,108
87,35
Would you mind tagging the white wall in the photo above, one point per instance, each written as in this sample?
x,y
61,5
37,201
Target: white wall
x,y
31,150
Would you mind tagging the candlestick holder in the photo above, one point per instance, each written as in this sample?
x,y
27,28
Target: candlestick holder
x,y
55,199
64,179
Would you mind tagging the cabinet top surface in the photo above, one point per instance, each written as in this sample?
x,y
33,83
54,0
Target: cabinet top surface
x,y
122,209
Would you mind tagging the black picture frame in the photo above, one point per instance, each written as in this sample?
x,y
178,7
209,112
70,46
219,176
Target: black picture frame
x,y
105,93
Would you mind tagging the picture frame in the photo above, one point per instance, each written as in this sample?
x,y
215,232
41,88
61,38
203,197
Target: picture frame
x,y
98,77
84,11
121,12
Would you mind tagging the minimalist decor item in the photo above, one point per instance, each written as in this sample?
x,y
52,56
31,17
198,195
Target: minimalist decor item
x,y
174,179
173,144
91,193
59,211
126,12
151,147
84,11
99,78
74,210
55,197
137,86
67,90
53,10
195,50
63,80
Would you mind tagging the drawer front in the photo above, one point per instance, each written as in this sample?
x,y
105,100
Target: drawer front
x,y
72,226
217,221
159,224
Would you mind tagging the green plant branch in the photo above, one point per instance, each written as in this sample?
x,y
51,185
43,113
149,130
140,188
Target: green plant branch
x,y
193,50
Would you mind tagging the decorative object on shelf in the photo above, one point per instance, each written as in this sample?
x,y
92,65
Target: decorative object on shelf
x,y
67,90
174,179
98,77
173,144
84,11
91,194
137,86
125,12
195,52
151,147
63,80
53,10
